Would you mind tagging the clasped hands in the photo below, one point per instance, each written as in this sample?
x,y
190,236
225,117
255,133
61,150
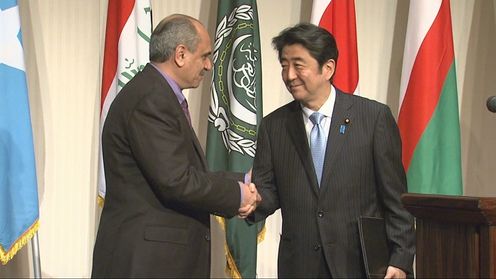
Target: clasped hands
x,y
251,198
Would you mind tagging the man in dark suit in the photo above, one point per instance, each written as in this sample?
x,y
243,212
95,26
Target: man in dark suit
x,y
155,221
324,176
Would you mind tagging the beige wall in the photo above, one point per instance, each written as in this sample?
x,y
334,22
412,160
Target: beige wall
x,y
63,41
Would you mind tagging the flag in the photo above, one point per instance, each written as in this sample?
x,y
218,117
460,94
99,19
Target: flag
x,y
129,27
338,17
235,110
428,118
268,246
18,186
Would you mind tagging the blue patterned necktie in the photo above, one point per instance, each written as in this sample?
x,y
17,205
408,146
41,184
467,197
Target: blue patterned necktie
x,y
317,144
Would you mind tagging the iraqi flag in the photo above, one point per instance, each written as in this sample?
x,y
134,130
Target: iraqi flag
x,y
338,17
126,52
428,117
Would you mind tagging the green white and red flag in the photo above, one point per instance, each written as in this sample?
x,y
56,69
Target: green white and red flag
x,y
428,116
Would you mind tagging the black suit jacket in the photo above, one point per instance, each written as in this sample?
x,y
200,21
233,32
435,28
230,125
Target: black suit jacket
x,y
155,221
363,176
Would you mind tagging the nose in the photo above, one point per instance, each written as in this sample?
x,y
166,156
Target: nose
x,y
208,64
290,73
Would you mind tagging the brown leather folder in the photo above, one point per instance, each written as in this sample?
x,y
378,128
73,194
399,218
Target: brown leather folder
x,y
375,249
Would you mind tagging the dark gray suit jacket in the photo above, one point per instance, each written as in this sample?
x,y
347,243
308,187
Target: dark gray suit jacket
x,y
363,176
155,222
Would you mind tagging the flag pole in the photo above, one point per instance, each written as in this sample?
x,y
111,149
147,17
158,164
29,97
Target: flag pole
x,y
35,249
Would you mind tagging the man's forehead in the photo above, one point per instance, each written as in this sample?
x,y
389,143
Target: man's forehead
x,y
295,53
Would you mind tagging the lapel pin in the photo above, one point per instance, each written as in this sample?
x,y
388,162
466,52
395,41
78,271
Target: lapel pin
x,y
342,128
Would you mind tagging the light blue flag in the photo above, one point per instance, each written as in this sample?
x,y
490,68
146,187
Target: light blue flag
x,y
18,187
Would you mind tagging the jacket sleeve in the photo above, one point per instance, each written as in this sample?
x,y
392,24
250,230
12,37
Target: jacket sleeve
x,y
391,181
263,176
162,146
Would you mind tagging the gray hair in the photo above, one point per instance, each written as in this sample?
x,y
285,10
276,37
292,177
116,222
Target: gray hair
x,y
171,32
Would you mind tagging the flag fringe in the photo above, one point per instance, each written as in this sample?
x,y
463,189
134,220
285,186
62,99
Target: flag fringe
x,y
5,257
100,200
261,234
231,267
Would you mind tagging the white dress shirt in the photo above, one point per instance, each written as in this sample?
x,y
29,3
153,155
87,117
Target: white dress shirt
x,y
326,109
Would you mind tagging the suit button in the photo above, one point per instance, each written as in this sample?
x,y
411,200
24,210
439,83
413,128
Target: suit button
x,y
320,214
316,247
207,237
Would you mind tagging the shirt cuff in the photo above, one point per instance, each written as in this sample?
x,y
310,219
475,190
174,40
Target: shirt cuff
x,y
241,191
247,180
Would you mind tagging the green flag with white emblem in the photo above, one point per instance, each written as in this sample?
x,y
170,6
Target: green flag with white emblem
x,y
235,110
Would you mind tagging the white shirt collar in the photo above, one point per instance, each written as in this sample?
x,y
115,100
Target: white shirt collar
x,y
326,109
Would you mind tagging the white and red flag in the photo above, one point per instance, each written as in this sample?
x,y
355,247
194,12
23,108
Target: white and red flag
x,y
126,52
338,17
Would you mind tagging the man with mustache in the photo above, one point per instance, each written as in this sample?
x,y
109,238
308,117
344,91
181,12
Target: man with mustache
x,y
156,217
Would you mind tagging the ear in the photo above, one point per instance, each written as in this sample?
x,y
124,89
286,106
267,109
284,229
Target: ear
x,y
329,68
180,55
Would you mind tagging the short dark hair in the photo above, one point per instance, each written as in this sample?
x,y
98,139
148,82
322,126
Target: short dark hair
x,y
169,33
319,42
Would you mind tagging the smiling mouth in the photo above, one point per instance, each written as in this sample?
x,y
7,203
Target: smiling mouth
x,y
291,87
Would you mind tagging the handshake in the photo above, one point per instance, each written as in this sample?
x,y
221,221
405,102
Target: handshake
x,y
251,197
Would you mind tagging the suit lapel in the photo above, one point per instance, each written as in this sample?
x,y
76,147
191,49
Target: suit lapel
x,y
296,131
337,137
198,149
194,138
183,119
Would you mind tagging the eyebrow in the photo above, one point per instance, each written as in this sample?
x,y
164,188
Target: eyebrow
x,y
294,59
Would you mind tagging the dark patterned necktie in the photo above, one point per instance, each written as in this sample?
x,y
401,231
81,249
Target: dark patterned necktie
x,y
184,106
